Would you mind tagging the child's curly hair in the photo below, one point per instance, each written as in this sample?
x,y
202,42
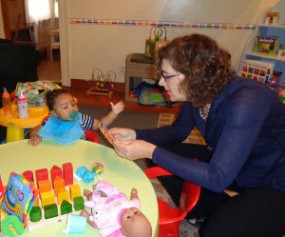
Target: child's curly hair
x,y
52,95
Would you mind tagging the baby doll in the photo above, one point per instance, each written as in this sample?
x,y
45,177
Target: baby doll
x,y
113,214
65,124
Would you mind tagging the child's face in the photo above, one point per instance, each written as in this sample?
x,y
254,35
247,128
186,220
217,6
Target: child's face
x,y
135,224
64,105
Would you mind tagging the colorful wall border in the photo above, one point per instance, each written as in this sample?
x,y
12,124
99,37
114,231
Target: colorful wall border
x,y
162,23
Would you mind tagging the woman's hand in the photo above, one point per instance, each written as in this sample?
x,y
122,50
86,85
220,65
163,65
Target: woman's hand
x,y
123,134
134,149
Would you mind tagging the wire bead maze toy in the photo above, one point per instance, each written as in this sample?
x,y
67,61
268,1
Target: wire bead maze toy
x,y
102,84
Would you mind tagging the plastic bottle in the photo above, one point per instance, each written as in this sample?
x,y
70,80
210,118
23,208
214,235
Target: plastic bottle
x,y
22,102
7,103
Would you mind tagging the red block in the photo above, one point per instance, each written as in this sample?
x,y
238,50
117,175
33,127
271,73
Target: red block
x,y
68,173
42,174
55,171
29,175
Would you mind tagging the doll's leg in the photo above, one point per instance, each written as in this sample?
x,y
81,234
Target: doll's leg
x,y
85,213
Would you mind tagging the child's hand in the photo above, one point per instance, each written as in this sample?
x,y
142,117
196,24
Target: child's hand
x,y
117,108
35,140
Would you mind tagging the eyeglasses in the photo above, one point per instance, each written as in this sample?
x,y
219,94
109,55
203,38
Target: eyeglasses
x,y
165,77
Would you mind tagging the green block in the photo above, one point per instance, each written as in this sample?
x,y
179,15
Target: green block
x,y
36,214
78,203
50,211
65,207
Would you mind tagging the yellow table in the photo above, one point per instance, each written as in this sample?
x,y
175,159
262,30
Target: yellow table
x,y
124,174
15,125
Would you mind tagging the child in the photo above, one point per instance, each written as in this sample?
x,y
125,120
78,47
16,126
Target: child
x,y
113,214
65,124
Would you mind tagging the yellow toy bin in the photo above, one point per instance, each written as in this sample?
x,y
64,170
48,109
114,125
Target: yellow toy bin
x,y
15,125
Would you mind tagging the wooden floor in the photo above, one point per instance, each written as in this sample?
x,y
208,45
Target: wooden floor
x,y
50,70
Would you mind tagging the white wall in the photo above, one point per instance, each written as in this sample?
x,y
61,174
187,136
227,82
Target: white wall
x,y
86,46
106,46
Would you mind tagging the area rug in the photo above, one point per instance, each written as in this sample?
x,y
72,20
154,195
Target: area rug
x,y
126,119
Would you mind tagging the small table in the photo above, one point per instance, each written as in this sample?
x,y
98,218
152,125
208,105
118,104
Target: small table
x,y
15,125
124,174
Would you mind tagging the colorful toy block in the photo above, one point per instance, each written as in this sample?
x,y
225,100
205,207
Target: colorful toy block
x,y
65,208
62,195
36,203
68,173
75,191
36,214
47,198
51,211
41,174
44,185
58,183
29,175
55,171
15,223
78,203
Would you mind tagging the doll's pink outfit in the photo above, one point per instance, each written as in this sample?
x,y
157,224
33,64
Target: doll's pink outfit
x,y
107,211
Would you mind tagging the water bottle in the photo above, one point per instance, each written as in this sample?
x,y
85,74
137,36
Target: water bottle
x,y
22,102
7,103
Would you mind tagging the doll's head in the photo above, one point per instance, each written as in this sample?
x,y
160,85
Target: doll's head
x,y
134,223
61,104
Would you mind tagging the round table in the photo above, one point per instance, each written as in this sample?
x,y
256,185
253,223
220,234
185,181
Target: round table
x,y
124,174
15,125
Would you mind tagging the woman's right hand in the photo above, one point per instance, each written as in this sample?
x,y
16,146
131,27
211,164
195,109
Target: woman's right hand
x,y
123,134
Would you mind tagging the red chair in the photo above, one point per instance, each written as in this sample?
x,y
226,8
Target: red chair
x,y
170,218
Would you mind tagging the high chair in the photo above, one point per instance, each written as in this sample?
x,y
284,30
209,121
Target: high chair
x,y
170,218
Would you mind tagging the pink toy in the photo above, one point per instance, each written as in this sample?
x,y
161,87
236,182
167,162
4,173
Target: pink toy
x,y
113,214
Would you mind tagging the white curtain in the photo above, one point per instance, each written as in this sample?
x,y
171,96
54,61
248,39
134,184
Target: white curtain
x,y
42,14
38,10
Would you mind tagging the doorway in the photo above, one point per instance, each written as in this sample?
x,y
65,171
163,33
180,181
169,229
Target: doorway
x,y
15,20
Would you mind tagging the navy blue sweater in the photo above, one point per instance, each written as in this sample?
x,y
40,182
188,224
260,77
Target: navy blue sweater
x,y
245,129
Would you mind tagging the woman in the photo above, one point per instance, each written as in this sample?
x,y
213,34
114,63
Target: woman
x,y
243,124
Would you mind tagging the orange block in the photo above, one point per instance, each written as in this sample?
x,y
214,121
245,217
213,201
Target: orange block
x,y
58,183
44,185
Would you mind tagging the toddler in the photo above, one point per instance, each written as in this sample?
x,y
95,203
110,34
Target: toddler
x,y
65,124
113,214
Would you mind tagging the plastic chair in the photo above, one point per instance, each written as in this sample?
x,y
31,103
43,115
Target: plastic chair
x,y
170,218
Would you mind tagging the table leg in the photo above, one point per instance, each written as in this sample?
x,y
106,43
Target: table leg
x,y
14,134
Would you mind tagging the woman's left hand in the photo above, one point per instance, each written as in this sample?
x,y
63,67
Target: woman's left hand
x,y
134,149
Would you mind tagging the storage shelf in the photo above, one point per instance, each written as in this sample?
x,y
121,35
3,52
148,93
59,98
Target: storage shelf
x,y
265,56
265,30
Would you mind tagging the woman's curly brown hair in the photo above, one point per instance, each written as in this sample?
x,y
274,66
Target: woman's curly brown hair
x,y
206,67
